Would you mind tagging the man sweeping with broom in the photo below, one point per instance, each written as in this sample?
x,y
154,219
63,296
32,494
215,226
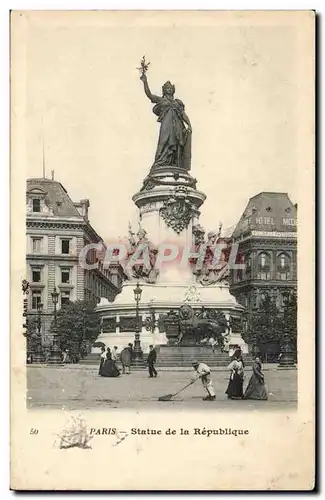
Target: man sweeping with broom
x,y
204,373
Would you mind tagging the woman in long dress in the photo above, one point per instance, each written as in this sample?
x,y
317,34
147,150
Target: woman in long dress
x,y
236,379
256,387
174,143
109,368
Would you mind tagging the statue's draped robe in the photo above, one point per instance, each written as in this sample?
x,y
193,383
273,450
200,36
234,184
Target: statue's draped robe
x,y
174,143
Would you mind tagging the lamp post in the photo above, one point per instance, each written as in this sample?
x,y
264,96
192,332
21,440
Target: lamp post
x,y
83,340
38,357
137,347
287,355
55,357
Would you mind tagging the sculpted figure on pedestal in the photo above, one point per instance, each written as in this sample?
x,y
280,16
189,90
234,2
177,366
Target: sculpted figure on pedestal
x,y
194,327
174,143
215,266
146,269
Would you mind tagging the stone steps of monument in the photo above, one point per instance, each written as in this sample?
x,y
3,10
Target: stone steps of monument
x,y
186,360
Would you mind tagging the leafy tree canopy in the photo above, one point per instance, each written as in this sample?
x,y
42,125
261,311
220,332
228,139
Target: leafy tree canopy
x,y
268,324
77,324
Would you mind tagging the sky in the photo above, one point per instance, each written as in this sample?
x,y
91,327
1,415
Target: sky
x,y
84,101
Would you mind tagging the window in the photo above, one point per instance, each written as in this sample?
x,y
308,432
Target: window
x,y
65,246
263,267
282,300
36,275
283,267
65,298
36,205
65,275
37,242
36,298
262,259
263,276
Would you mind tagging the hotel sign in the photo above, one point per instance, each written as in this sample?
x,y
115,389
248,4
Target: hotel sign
x,y
270,221
285,222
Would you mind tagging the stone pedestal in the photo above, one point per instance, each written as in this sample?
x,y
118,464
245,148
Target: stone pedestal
x,y
169,205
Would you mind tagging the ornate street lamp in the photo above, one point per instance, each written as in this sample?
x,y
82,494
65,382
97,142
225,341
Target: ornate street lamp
x,y
287,359
137,347
56,356
38,357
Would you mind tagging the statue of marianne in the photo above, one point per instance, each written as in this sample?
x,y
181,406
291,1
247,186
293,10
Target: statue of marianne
x,y
174,143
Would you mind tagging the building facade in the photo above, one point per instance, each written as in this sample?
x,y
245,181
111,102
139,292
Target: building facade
x,y
266,235
57,230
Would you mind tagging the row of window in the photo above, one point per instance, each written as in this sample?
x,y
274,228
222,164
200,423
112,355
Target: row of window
x,y
65,275
37,244
264,260
283,271
36,299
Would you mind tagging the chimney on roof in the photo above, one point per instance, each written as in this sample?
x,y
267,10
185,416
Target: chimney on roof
x,y
82,207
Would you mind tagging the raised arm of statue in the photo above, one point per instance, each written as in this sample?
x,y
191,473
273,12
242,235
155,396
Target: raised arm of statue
x,y
152,97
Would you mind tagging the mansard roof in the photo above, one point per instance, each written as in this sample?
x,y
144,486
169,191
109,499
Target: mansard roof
x,y
56,196
267,212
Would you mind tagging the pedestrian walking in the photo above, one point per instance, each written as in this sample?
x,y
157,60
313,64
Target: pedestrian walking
x,y
126,356
114,355
102,359
66,357
109,368
152,358
213,343
204,373
236,379
256,387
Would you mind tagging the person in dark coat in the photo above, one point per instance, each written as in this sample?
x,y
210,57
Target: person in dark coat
x,y
236,380
102,360
109,368
256,386
152,358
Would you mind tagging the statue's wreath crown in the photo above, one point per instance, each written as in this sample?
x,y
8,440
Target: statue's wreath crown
x,y
168,84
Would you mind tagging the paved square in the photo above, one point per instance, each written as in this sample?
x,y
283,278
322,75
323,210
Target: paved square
x,y
74,387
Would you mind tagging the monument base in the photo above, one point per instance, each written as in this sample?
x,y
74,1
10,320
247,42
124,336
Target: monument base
x,y
182,356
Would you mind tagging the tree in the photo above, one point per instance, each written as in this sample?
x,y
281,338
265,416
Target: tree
x,y
264,325
78,326
31,334
267,325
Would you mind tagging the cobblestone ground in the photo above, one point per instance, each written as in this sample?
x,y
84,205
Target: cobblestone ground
x,y
74,387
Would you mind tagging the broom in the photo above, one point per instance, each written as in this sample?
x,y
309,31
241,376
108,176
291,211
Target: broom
x,y
168,397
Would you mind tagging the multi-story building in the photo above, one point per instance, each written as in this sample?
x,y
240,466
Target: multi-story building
x,y
57,230
266,235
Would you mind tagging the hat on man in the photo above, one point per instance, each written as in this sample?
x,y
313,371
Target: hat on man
x,y
195,362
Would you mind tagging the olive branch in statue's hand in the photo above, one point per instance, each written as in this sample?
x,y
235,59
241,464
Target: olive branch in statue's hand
x,y
144,66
